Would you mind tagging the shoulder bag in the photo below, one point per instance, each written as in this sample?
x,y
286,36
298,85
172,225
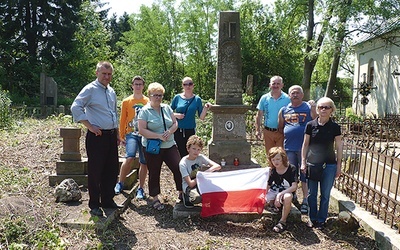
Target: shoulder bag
x,y
314,171
154,145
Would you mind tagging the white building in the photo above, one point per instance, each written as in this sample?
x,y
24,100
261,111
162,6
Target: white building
x,y
377,63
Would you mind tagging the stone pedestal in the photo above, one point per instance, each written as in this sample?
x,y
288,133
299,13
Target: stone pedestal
x,y
71,149
229,135
72,165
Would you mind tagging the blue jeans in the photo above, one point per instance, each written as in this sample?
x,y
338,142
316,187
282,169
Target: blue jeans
x,y
294,158
133,145
326,183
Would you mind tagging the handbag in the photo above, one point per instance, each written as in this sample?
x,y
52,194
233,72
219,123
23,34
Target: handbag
x,y
154,145
314,171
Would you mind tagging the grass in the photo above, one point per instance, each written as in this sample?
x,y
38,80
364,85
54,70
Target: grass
x,y
31,147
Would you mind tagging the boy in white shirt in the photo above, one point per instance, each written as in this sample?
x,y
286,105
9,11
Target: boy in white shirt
x,y
189,166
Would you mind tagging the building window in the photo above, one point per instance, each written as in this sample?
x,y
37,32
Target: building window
x,y
371,76
371,72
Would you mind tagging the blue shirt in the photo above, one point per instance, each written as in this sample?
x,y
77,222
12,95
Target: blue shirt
x,y
155,123
295,121
97,104
271,106
179,104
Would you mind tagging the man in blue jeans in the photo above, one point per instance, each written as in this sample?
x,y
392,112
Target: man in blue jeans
x,y
130,108
292,121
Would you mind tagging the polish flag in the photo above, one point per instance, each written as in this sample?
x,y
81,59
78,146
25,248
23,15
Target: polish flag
x,y
233,191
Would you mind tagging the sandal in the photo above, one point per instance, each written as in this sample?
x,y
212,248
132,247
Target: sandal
x,y
158,205
280,227
304,208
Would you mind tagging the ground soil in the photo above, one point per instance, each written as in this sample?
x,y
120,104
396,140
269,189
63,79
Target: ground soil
x,y
140,226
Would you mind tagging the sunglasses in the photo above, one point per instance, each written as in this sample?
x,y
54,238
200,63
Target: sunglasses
x,y
324,107
188,84
155,95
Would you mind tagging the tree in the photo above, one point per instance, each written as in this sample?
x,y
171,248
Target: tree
x,y
344,11
35,32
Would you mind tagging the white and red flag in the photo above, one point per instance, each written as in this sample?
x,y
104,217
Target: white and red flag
x,y
233,191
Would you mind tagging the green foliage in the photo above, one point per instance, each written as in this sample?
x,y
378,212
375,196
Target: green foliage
x,y
11,181
42,34
16,234
204,128
5,111
269,47
353,117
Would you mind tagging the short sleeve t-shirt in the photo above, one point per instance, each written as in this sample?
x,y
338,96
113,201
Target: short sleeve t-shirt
x,y
271,106
295,121
191,167
155,123
322,137
194,105
278,182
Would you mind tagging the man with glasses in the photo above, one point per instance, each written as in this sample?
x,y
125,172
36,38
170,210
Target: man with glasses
x,y
268,108
129,133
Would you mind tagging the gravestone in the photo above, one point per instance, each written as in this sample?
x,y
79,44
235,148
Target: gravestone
x,y
48,90
229,114
48,94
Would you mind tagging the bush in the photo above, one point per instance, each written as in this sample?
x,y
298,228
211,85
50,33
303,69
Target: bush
x,y
351,116
5,113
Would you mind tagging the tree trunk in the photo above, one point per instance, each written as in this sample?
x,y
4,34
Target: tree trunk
x,y
340,35
311,57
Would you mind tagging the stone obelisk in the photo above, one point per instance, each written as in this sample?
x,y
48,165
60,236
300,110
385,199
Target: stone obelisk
x,y
229,120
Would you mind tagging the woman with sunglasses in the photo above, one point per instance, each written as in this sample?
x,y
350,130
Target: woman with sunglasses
x,y
186,105
322,137
157,121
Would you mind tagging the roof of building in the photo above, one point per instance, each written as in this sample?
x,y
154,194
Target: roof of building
x,y
385,27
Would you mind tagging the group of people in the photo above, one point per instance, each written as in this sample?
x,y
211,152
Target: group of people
x,y
300,139
142,118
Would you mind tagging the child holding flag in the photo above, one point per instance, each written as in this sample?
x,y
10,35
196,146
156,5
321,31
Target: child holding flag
x,y
189,166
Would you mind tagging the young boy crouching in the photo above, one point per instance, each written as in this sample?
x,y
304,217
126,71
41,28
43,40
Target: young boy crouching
x,y
189,166
282,183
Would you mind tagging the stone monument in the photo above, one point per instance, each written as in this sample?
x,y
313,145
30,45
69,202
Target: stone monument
x,y
73,166
48,94
228,140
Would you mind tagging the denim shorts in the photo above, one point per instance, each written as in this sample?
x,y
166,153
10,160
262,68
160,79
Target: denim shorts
x,y
133,145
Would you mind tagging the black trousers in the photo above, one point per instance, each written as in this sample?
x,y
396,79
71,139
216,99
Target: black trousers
x,y
181,137
102,152
154,163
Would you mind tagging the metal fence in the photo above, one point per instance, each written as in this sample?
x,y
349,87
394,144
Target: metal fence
x,y
40,111
371,162
370,176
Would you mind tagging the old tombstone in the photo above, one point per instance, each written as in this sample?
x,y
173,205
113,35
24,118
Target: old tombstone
x,y
228,140
48,93
71,165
